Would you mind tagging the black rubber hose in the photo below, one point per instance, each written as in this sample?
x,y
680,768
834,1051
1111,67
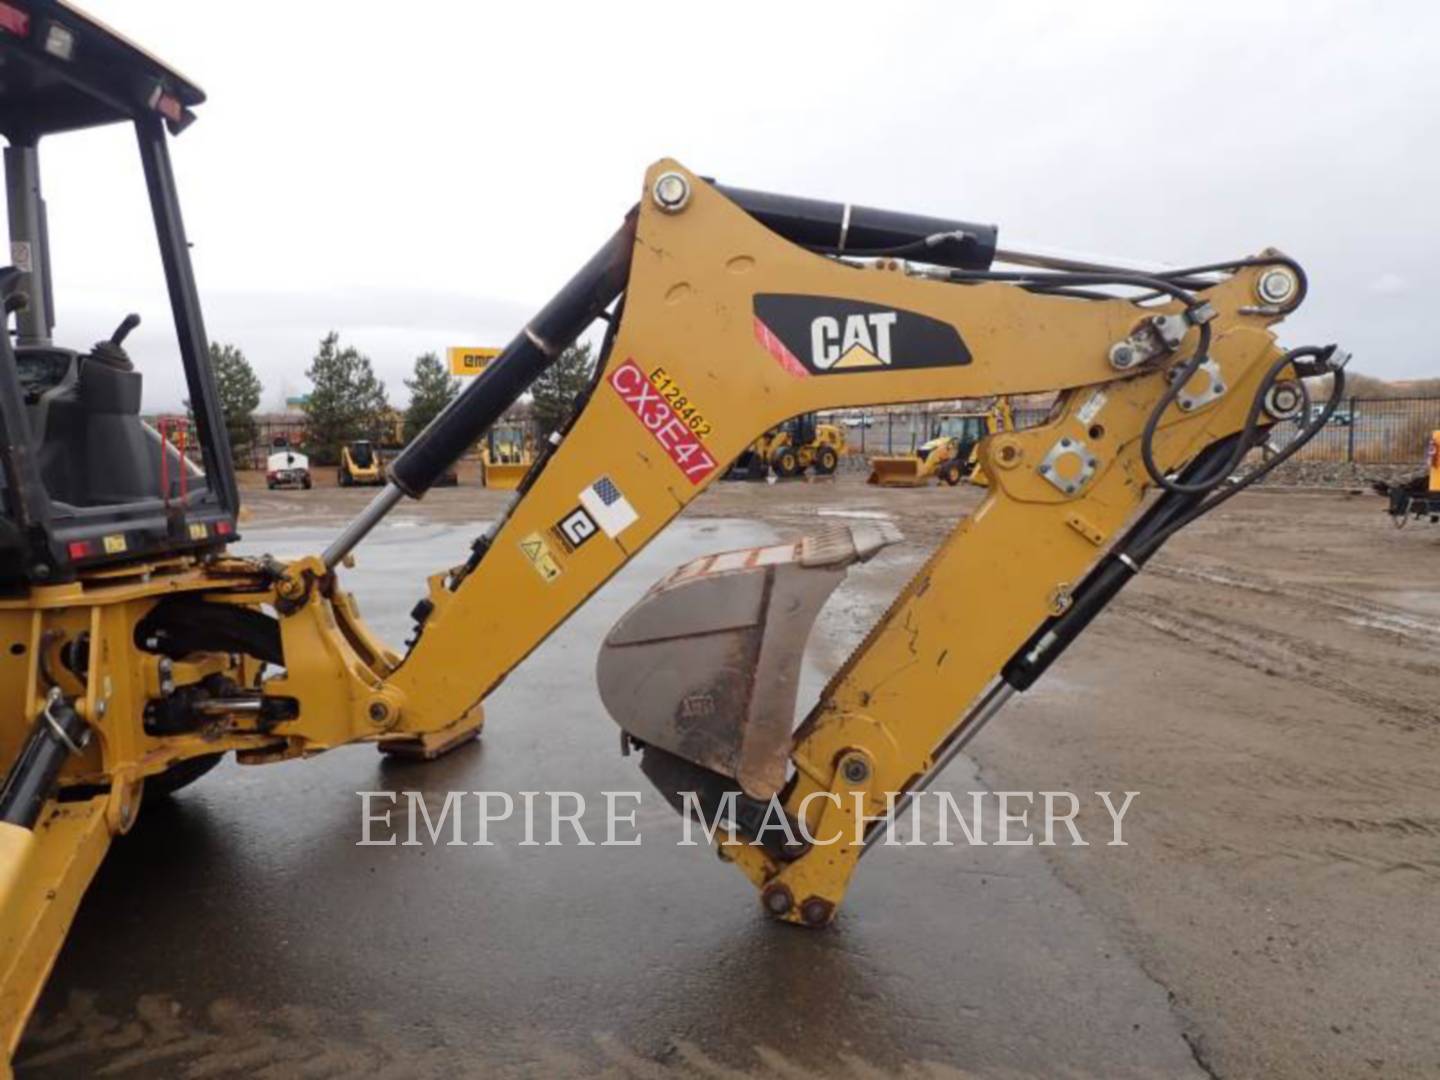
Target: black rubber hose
x,y
1180,276
1305,434
1242,447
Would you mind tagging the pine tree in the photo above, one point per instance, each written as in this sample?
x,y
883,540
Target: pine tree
x,y
557,390
239,389
346,402
431,389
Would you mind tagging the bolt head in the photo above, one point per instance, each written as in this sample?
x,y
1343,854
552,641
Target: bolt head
x,y
1276,286
816,911
856,770
777,900
671,192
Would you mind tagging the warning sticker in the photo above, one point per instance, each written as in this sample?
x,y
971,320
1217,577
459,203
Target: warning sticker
x,y
1091,409
660,418
534,548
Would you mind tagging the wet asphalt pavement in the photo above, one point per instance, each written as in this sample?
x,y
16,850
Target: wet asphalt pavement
x,y
239,930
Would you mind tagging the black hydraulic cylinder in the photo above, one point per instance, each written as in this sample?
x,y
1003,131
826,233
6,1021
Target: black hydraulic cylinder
x,y
597,285
1103,583
822,226
838,228
32,778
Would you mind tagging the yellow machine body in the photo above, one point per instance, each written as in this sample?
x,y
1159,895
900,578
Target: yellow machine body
x,y
884,718
360,465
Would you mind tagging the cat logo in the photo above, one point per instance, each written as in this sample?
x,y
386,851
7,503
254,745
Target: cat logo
x,y
865,341
822,335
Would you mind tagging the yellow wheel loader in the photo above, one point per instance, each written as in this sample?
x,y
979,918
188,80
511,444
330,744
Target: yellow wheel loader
x,y
800,444
951,453
506,456
139,648
360,465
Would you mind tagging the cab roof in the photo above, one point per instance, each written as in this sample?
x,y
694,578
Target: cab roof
x,y
61,70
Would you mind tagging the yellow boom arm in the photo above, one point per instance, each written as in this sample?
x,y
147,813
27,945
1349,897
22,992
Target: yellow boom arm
x,y
726,329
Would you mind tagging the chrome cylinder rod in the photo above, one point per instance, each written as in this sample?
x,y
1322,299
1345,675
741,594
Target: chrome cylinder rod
x,y
360,527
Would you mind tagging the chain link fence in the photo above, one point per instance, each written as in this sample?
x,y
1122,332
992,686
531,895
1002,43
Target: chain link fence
x,y
1372,431
1365,431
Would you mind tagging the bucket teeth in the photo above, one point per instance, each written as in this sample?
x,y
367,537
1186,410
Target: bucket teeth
x,y
706,666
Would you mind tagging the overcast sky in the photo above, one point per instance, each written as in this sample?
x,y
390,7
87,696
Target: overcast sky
x,y
418,175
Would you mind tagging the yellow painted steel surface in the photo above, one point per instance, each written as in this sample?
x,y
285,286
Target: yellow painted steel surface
x,y
631,461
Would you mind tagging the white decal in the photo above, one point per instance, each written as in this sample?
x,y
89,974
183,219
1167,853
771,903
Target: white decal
x,y
1091,409
610,509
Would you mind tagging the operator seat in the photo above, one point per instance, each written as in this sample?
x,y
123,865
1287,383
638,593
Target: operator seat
x,y
84,413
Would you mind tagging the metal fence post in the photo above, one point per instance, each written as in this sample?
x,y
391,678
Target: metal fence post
x,y
1350,433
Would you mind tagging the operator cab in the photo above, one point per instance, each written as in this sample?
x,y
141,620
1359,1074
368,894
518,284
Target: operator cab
x,y
967,429
801,429
85,479
362,453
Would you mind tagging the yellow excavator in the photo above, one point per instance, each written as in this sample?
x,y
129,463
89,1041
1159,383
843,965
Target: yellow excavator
x,y
799,445
506,456
360,465
139,648
950,455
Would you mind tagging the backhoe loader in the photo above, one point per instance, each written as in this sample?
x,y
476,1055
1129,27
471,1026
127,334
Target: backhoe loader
x,y
950,455
138,648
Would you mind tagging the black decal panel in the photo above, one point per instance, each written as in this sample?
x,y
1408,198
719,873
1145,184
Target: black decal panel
x,y
830,335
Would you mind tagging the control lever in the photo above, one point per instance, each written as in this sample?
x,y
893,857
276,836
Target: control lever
x,y
112,352
122,331
14,299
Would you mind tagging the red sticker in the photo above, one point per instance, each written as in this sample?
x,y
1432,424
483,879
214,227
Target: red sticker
x,y
776,348
670,431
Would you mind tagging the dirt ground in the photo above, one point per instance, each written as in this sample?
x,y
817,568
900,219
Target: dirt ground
x,y
1269,686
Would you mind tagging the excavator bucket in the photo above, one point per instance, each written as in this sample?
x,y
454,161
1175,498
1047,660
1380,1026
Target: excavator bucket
x,y
706,666
905,470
